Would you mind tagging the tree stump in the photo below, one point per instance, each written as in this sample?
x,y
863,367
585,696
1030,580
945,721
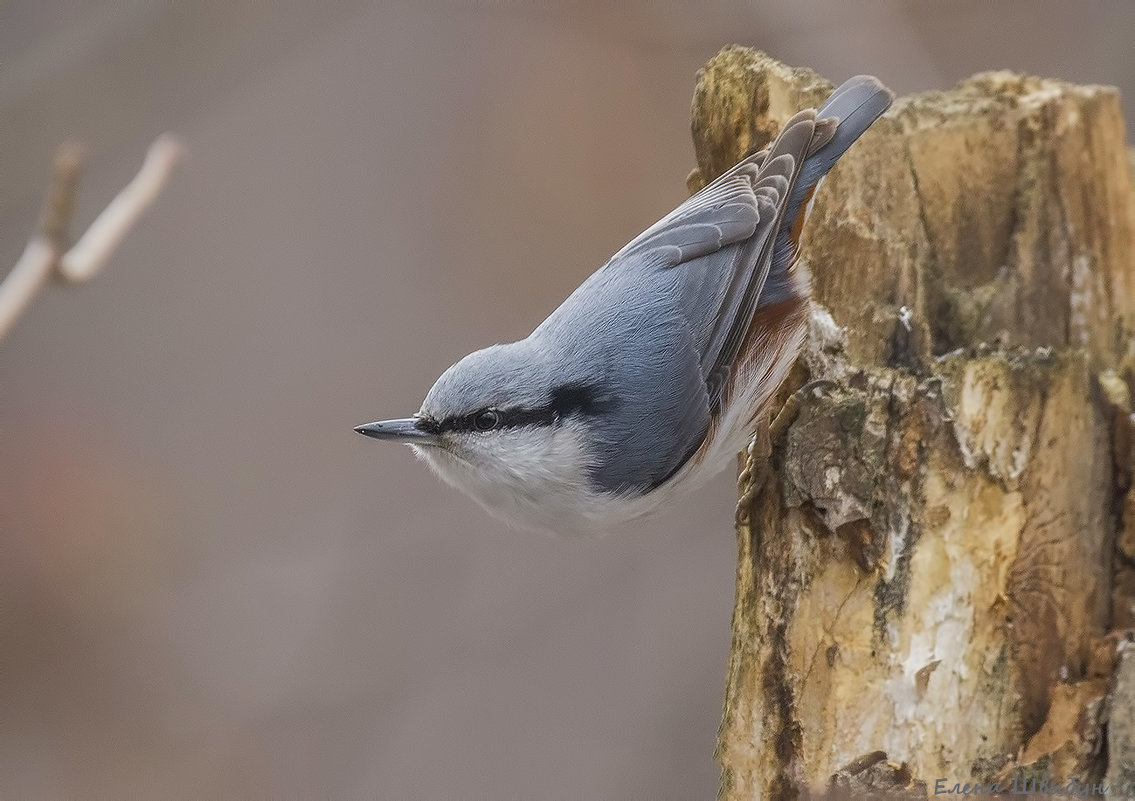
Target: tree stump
x,y
933,583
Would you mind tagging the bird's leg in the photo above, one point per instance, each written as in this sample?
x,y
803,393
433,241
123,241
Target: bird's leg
x,y
791,409
750,484
756,472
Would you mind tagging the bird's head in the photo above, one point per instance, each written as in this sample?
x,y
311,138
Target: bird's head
x,y
502,426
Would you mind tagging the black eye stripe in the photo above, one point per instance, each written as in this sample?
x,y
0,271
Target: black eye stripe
x,y
566,400
569,399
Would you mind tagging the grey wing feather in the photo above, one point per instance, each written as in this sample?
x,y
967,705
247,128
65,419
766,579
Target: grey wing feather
x,y
713,238
713,252
778,174
721,214
687,261
722,239
697,276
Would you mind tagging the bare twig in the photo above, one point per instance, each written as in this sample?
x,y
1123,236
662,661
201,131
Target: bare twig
x,y
41,256
60,201
108,230
47,252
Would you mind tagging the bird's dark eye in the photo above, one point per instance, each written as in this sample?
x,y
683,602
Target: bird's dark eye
x,y
487,420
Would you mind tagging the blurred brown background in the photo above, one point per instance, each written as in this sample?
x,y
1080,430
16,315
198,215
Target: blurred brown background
x,y
210,587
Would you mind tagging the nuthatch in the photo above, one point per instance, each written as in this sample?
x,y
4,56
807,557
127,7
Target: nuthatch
x,y
652,375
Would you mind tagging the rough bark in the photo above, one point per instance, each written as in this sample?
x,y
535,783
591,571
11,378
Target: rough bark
x,y
931,582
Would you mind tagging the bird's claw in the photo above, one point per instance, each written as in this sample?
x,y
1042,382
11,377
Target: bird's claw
x,y
755,472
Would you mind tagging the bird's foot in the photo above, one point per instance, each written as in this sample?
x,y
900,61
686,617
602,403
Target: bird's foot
x,y
754,474
791,408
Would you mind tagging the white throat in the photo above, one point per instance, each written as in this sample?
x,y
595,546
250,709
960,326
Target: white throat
x,y
533,477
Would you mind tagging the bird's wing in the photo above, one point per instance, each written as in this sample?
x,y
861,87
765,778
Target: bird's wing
x,y
722,239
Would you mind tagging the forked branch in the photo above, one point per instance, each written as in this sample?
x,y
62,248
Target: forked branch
x,y
48,253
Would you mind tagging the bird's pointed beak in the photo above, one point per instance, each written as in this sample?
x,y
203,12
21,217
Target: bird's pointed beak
x,y
406,430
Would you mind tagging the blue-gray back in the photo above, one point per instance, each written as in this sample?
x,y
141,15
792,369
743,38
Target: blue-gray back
x,y
659,326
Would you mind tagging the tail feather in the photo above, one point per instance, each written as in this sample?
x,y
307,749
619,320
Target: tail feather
x,y
854,107
856,104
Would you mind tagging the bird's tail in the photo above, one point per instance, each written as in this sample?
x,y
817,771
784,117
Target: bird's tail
x,y
852,109
856,104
